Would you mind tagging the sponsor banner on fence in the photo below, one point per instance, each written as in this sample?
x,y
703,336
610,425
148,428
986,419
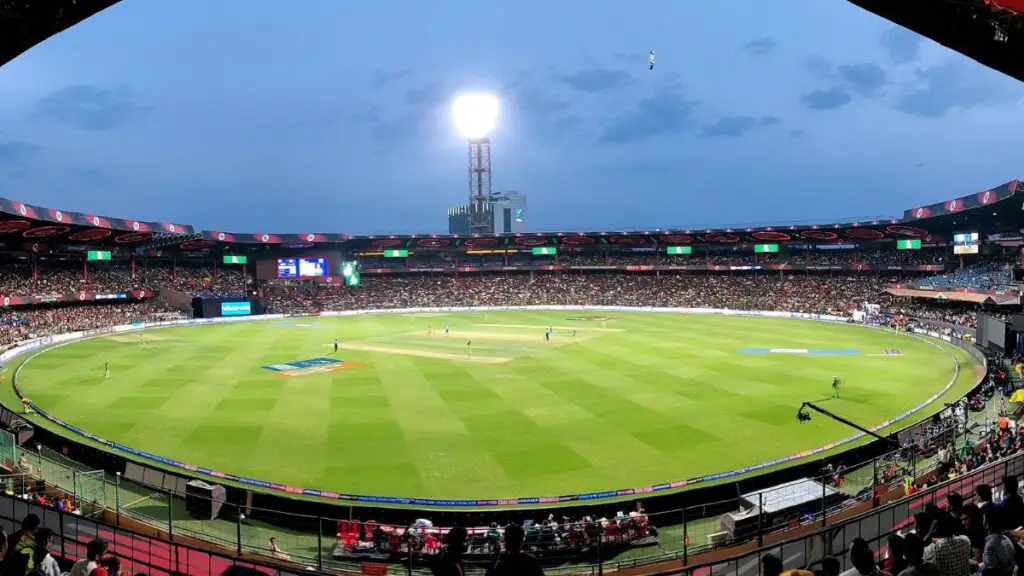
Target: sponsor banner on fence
x,y
10,300
34,344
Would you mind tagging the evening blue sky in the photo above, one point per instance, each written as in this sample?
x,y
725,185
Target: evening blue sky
x,y
332,115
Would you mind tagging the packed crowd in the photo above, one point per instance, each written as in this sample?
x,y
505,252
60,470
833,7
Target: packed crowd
x,y
991,277
795,293
22,324
962,314
23,280
653,256
198,281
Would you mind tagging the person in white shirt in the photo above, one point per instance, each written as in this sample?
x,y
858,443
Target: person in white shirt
x,y
94,552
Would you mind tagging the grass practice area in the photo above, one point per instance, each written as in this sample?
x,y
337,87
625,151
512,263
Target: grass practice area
x,y
492,410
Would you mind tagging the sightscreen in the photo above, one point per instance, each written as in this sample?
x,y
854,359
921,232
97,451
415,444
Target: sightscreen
x,y
991,332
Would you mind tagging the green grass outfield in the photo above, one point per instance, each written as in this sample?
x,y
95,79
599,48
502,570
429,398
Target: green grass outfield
x,y
637,400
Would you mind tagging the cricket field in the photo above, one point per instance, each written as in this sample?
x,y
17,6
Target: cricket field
x,y
491,410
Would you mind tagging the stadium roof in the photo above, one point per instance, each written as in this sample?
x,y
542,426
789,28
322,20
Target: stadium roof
x,y
25,23
39,229
988,31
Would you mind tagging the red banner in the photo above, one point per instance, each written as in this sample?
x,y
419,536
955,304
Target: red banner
x,y
1011,5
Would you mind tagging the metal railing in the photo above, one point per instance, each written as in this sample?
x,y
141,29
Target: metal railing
x,y
874,527
139,553
580,547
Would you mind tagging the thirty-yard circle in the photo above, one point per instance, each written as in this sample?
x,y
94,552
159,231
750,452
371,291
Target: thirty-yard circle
x,y
485,405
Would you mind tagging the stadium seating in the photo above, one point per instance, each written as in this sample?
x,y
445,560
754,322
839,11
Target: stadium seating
x,y
983,278
22,324
798,293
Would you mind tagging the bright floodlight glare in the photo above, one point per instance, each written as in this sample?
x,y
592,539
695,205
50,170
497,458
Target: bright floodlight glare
x,y
475,115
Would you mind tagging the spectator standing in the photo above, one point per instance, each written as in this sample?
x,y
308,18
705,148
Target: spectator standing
x,y
29,524
984,493
16,559
974,523
1012,507
513,561
448,562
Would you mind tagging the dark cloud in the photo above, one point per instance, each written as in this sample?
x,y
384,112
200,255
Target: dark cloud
x,y
956,84
598,80
901,45
769,120
728,127
797,133
665,113
433,93
863,79
826,99
411,122
14,153
89,107
15,157
759,46
381,78
538,112
819,66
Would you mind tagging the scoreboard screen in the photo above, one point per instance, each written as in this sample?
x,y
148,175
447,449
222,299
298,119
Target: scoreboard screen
x,y
966,243
287,268
312,267
301,267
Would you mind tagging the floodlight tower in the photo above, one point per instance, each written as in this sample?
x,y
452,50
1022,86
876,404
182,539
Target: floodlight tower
x,y
475,116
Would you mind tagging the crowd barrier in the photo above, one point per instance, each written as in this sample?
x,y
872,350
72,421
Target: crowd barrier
x,y
139,553
875,526
142,501
460,503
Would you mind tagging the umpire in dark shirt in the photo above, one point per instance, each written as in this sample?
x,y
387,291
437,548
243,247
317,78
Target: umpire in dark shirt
x,y
513,561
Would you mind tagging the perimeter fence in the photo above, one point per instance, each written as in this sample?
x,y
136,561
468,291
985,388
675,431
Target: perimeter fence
x,y
147,500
